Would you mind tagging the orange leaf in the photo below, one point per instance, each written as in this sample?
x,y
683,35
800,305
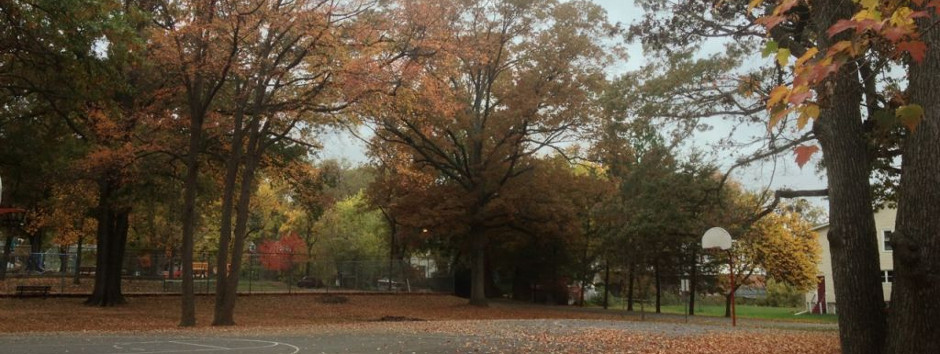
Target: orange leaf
x,y
807,56
894,34
777,95
807,112
776,116
770,22
935,4
840,26
799,94
917,49
803,153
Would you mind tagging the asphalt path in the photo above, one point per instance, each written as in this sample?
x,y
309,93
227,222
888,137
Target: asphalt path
x,y
374,337
218,344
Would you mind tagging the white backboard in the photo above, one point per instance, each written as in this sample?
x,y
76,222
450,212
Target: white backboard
x,y
716,237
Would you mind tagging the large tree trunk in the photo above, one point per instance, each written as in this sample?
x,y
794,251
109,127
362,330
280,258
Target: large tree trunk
x,y
852,234
34,260
478,267
112,237
914,310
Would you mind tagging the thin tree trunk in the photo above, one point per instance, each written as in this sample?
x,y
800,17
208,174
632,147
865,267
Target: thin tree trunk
x,y
63,260
225,311
606,281
914,310
658,285
728,305
76,279
229,189
391,255
630,281
7,249
188,303
693,280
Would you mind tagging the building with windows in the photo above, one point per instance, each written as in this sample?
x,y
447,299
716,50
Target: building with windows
x,y
823,298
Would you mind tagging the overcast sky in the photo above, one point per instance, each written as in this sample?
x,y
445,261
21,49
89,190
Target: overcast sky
x,y
782,174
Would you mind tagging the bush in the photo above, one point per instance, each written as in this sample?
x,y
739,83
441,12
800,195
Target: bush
x,y
780,294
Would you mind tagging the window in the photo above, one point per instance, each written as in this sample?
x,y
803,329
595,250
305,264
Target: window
x,y
886,241
887,276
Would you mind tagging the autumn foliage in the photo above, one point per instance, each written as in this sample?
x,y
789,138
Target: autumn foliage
x,y
284,253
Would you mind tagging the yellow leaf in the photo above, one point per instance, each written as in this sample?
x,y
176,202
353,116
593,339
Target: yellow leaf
x,y
776,116
910,115
783,56
754,3
867,14
777,95
807,112
807,56
868,4
902,17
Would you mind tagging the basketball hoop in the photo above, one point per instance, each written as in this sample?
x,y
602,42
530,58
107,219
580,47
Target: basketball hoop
x,y
719,238
12,217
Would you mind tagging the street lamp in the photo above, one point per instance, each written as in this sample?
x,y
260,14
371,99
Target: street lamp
x,y
717,237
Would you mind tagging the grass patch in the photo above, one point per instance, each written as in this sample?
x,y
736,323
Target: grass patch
x,y
758,312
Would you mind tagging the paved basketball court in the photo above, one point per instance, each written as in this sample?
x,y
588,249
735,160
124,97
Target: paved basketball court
x,y
120,344
373,337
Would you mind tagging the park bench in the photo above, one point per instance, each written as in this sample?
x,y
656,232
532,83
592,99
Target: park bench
x,y
32,290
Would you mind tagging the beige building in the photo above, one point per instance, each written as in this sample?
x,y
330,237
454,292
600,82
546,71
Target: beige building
x,y
823,298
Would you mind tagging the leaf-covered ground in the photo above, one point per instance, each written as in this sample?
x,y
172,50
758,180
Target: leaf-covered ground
x,y
503,327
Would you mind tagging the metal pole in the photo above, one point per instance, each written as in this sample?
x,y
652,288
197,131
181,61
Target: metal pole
x,y
734,319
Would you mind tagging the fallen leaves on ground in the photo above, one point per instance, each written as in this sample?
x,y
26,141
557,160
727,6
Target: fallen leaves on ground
x,y
539,329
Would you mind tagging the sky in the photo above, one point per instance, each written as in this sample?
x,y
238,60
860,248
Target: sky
x,y
783,174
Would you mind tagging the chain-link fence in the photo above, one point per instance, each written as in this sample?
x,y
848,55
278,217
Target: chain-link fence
x,y
157,272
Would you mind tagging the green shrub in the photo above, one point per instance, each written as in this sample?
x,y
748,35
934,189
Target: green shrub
x,y
780,294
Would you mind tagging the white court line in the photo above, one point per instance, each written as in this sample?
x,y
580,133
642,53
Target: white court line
x,y
208,348
203,345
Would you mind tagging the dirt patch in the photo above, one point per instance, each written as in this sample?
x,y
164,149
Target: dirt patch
x,y
399,319
332,299
163,312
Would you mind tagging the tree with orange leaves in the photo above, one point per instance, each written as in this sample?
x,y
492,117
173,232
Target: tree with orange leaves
x,y
283,254
495,84
88,69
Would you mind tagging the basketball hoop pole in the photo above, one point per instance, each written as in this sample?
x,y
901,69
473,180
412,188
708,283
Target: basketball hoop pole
x,y
717,237
734,319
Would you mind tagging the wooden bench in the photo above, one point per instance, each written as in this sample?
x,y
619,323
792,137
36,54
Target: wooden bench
x,y
32,290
